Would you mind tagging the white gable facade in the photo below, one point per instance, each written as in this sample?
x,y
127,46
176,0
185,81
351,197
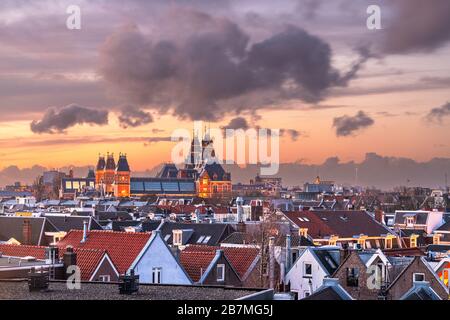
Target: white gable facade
x,y
156,263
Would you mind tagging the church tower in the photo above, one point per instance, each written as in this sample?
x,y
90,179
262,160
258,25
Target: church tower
x,y
109,173
122,177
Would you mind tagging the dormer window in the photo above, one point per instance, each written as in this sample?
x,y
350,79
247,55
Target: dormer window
x,y
388,243
409,221
177,237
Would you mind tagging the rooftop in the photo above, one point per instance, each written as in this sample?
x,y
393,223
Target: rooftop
x,y
18,290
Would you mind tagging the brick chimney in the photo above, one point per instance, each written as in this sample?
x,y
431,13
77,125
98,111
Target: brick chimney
x,y
26,231
379,216
69,259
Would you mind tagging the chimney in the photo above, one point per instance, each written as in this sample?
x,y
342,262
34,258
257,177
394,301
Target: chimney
x,y
288,252
272,262
239,209
85,231
379,216
26,231
343,252
197,215
69,259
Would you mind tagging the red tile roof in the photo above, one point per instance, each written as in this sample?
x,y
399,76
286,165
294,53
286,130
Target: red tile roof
x,y
196,262
122,247
14,250
87,260
240,258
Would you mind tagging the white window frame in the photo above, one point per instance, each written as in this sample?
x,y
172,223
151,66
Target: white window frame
x,y
157,275
416,274
221,275
304,269
104,278
177,237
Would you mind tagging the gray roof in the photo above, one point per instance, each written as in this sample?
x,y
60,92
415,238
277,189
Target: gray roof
x,y
67,223
12,227
18,290
217,231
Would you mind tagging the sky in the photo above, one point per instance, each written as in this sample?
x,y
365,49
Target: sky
x,y
134,73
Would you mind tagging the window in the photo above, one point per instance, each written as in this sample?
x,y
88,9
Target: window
x,y
352,277
166,237
206,239
413,242
220,272
104,278
418,277
307,269
294,256
388,244
156,275
410,221
200,240
177,237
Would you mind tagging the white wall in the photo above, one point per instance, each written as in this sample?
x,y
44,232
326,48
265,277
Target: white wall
x,y
295,275
158,255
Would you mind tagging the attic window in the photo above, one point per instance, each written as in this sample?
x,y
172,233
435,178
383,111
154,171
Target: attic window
x,y
301,219
166,238
306,219
207,238
409,221
344,218
418,277
220,272
200,240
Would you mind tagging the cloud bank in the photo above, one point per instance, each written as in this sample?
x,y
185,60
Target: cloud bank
x,y
57,120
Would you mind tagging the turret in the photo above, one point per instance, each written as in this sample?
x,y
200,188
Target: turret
x,y
122,177
109,177
100,171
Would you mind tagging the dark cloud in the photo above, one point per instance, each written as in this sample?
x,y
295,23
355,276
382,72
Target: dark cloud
x,y
438,114
132,116
153,140
347,125
214,67
237,123
57,120
241,123
292,133
418,26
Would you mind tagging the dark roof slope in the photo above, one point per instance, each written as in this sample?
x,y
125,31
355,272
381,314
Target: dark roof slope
x,y
67,223
12,227
217,231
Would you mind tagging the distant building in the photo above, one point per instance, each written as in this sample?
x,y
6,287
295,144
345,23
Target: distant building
x,y
319,186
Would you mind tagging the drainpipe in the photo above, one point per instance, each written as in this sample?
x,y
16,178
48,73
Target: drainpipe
x,y
271,263
288,252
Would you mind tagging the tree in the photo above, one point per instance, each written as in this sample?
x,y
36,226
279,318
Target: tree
x,y
38,188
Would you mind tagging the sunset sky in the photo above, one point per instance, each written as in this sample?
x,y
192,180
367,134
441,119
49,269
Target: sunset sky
x,y
134,73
